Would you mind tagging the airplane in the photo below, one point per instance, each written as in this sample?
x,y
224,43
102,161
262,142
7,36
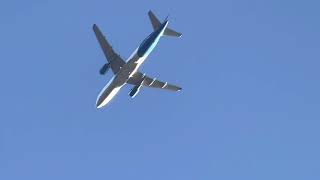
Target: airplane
x,y
126,72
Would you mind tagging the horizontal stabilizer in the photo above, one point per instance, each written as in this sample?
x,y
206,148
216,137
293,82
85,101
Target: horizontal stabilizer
x,y
156,24
154,20
170,32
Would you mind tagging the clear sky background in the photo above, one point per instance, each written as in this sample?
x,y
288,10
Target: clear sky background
x,y
249,108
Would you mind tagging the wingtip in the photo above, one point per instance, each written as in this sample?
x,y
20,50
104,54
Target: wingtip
x,y
150,13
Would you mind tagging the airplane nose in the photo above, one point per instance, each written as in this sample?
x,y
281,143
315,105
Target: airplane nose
x,y
99,103
98,106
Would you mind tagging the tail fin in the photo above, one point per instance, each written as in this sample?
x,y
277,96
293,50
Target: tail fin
x,y
156,24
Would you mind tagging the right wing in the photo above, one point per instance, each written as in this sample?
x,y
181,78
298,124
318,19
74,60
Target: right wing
x,y
116,62
140,79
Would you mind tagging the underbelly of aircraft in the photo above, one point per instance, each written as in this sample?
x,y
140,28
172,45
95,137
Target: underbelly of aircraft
x,y
119,80
107,95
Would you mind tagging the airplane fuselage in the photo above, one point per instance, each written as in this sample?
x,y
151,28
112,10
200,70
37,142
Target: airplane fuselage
x,y
131,67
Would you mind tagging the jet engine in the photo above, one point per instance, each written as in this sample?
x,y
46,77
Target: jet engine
x,y
134,91
104,69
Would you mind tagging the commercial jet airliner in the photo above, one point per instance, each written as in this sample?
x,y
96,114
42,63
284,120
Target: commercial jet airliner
x,y
126,72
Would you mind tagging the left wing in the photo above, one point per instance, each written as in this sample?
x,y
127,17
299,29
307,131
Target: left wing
x,y
140,79
115,61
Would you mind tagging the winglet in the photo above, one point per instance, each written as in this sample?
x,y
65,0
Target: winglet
x,y
94,26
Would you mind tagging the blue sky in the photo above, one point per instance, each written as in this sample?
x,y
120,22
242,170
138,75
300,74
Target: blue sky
x,y
249,108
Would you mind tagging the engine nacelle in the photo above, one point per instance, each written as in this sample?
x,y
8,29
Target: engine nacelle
x,y
134,91
104,69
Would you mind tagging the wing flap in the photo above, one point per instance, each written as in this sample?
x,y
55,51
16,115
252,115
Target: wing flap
x,y
139,79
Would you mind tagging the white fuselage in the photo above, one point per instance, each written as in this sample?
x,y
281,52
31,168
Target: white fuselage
x,y
131,67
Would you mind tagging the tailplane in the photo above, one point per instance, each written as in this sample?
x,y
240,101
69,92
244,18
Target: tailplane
x,y
171,32
156,24
154,20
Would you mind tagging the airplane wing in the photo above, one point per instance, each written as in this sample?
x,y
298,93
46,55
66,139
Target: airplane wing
x,y
116,62
140,79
